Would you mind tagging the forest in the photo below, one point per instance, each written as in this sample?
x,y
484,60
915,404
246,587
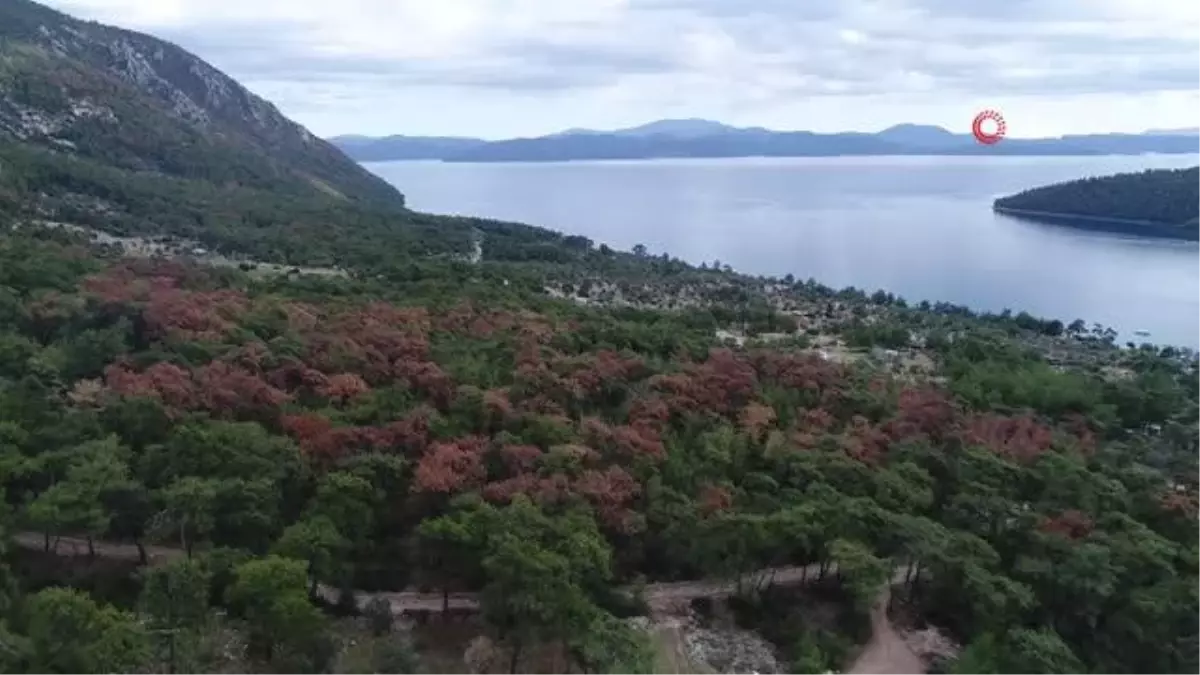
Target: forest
x,y
291,443
442,444
1160,196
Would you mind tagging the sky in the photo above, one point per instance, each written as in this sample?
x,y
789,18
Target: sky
x,y
517,68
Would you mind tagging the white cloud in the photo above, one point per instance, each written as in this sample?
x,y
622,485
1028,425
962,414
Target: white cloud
x,y
523,67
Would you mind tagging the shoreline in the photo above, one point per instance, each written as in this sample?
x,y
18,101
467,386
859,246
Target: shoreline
x,y
1146,228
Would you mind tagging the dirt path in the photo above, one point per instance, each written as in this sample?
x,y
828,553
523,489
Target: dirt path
x,y
670,650
78,547
886,651
662,596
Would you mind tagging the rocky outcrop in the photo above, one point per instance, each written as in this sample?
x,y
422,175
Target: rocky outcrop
x,y
62,78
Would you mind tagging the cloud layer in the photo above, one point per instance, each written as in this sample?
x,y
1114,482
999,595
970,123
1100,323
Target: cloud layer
x,y
510,67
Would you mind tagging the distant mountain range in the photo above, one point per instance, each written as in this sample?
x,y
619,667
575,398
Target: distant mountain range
x,y
368,149
1186,131
705,138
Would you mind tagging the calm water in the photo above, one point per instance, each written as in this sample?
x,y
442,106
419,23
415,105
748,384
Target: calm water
x,y
921,227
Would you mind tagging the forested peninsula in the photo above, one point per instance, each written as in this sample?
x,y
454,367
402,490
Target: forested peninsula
x,y
256,415
1156,202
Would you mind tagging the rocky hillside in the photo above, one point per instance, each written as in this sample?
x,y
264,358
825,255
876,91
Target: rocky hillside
x,y
138,103
126,134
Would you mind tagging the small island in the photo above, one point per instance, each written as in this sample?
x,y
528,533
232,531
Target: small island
x,y
1156,203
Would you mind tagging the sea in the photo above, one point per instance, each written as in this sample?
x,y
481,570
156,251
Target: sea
x,y
919,227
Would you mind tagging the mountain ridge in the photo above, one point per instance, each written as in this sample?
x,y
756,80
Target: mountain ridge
x,y
1181,131
123,135
367,149
99,91
699,138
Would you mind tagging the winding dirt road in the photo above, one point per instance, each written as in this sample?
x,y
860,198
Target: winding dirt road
x,y
886,651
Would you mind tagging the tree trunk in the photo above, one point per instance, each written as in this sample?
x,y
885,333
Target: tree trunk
x,y
142,558
516,657
46,541
91,547
183,538
445,602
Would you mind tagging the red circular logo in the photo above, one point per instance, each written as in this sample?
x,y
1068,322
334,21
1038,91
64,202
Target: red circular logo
x,y
988,136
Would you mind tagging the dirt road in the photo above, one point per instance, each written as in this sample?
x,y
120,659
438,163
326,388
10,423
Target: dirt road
x,y
78,547
886,651
662,595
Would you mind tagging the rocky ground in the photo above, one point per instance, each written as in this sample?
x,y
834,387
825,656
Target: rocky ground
x,y
170,247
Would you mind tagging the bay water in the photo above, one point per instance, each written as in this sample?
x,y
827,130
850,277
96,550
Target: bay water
x,y
919,227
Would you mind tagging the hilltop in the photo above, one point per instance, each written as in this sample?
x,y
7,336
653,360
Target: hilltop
x,y
142,104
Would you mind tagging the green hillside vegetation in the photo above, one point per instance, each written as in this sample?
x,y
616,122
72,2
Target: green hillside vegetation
x,y
1161,196
209,468
450,433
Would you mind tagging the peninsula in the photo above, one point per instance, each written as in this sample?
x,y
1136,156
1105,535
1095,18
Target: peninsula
x,y
1157,203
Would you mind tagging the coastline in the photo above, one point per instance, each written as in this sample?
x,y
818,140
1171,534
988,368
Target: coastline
x,y
1146,228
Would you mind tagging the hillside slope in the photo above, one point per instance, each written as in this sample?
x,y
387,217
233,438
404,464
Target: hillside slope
x,y
142,104
1158,201
133,136
130,135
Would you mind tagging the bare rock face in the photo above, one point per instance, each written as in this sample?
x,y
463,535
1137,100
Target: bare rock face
x,y
130,99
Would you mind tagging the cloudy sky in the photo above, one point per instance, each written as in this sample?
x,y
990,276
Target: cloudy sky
x,y
504,68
